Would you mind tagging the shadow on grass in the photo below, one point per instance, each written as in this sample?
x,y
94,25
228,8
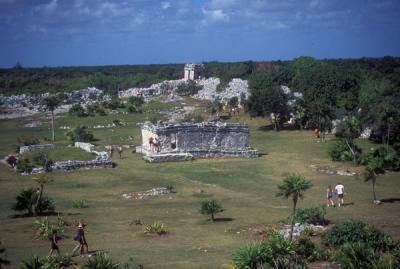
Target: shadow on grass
x,y
44,214
390,200
223,219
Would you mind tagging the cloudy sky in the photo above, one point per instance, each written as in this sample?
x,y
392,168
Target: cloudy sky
x,y
106,32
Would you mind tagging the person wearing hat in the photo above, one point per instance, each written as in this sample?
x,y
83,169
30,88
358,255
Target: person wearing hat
x,y
80,237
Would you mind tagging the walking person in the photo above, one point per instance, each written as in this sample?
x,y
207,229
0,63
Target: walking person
x,y
340,193
120,149
54,243
80,237
329,196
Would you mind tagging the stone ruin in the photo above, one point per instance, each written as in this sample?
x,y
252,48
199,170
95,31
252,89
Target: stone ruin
x,y
194,71
186,141
24,149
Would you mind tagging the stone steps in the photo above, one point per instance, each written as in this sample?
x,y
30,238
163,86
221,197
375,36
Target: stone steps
x,y
168,157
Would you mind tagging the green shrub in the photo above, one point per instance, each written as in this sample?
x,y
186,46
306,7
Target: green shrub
x,y
26,200
33,262
136,101
95,109
113,104
389,158
188,88
155,228
307,250
81,203
100,261
358,232
80,134
42,159
24,166
28,141
339,151
77,110
3,261
312,215
251,256
45,228
12,160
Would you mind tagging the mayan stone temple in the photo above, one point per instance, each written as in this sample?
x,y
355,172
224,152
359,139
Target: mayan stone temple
x,y
194,71
186,141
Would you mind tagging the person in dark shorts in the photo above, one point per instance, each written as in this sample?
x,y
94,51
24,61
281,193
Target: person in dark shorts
x,y
80,237
54,243
329,196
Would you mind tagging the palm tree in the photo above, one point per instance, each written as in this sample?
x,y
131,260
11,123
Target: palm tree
x,y
211,207
373,169
50,103
293,186
42,179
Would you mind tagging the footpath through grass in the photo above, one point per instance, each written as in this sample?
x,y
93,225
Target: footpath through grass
x,y
245,187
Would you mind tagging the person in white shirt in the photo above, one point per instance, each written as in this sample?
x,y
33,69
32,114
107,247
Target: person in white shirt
x,y
340,193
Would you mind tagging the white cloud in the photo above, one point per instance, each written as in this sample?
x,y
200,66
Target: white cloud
x,y
165,5
47,8
215,16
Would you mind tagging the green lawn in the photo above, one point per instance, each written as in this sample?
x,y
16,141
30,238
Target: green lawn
x,y
246,188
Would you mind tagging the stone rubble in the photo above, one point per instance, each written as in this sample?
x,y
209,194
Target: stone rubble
x,y
142,195
24,149
164,87
33,101
332,171
299,228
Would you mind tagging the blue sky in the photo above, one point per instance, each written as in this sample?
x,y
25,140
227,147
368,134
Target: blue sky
x,y
105,32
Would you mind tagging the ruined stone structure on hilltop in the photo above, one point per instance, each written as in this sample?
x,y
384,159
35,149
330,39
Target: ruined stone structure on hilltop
x,y
185,141
194,71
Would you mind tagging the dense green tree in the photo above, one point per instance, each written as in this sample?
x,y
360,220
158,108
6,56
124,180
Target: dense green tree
x,y
50,103
380,108
293,186
267,99
348,130
188,88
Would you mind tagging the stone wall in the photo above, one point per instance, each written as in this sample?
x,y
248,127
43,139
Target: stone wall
x,y
24,149
85,146
81,165
201,140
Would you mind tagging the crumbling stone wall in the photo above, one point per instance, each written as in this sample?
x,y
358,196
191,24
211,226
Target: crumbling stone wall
x,y
207,139
24,149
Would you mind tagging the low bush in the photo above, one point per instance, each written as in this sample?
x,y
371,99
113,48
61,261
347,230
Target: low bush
x,y
24,166
81,203
188,88
211,207
155,228
100,261
45,228
95,109
42,159
80,134
28,141
276,252
339,151
312,215
113,104
361,255
26,201
77,110
3,260
359,232
136,101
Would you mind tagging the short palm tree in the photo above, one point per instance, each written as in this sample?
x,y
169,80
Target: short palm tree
x,y
293,186
50,103
211,207
373,169
42,179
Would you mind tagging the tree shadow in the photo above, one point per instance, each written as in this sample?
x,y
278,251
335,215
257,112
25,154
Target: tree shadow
x,y
260,154
390,200
44,214
223,219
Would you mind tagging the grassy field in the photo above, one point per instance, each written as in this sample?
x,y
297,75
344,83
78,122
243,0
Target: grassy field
x,y
246,188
